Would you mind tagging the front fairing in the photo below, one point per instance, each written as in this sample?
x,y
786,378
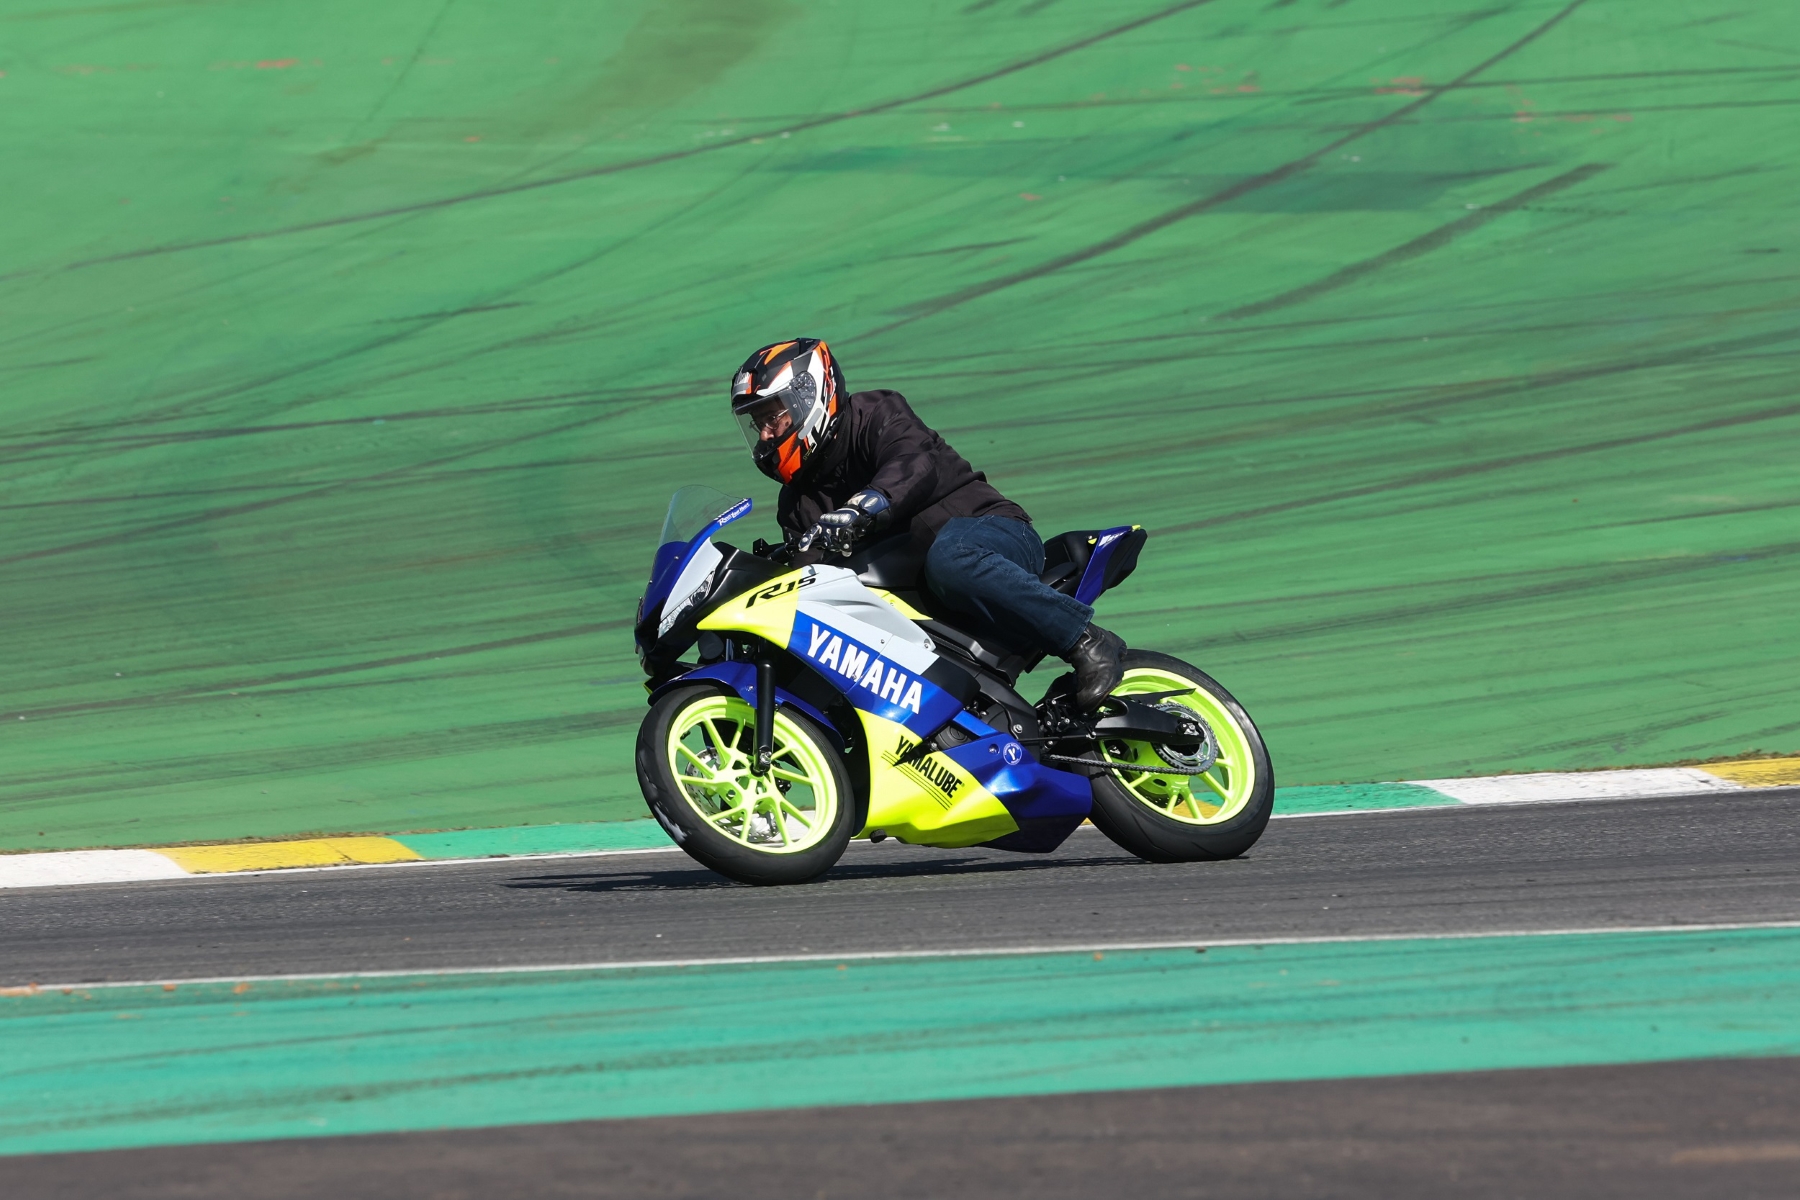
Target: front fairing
x,y
683,573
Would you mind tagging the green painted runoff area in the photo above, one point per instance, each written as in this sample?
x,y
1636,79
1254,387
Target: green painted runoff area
x,y
91,1069
647,834
538,839
1446,347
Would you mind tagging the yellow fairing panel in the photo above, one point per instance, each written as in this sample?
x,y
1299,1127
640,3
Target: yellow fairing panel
x,y
930,801
906,610
767,611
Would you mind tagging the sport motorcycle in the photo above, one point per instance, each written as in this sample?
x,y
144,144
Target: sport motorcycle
x,y
841,700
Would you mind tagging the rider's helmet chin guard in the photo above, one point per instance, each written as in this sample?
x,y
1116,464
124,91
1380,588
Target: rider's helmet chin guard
x,y
796,389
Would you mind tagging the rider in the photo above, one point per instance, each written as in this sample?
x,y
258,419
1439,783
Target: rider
x,y
851,465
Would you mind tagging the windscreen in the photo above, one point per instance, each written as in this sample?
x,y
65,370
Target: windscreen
x,y
691,510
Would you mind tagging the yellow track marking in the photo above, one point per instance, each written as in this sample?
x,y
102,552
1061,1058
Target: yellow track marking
x,y
270,856
1758,772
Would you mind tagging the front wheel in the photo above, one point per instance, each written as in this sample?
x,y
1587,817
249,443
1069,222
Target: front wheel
x,y
694,754
1217,813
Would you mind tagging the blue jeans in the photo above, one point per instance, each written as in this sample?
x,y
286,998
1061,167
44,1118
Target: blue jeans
x,y
987,569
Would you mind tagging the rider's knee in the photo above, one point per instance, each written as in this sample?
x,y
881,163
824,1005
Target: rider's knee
x,y
952,552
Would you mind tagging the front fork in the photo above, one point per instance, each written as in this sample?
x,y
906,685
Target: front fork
x,y
765,714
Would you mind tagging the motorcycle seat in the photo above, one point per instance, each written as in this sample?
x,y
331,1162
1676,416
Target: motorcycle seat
x,y
895,564
1063,576
1065,557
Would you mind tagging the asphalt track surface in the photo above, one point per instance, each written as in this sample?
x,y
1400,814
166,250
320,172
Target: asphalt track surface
x,y
1699,1128
1656,862
1706,1130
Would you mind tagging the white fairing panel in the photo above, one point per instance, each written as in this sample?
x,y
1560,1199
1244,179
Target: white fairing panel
x,y
838,599
693,577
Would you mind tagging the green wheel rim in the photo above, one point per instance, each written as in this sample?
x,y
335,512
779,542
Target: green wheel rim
x,y
792,808
1209,799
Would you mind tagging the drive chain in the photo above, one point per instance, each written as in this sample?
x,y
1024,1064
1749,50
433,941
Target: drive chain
x,y
1116,766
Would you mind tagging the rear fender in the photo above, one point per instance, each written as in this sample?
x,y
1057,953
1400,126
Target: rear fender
x,y
1114,557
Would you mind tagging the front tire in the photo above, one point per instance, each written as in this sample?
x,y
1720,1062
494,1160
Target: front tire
x,y
694,752
1185,818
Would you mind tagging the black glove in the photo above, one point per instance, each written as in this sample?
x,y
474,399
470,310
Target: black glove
x,y
839,530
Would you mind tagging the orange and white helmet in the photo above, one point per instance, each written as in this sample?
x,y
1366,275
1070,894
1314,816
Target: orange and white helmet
x,y
787,398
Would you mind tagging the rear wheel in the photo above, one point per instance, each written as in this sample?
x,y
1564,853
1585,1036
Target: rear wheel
x,y
694,754
1217,812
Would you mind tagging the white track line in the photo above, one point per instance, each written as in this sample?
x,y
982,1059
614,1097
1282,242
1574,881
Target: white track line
x,y
1451,805
1580,785
64,868
1447,806
61,868
14,877
438,862
886,955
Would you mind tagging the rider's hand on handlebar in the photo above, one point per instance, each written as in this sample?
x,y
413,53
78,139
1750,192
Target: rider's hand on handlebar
x,y
838,531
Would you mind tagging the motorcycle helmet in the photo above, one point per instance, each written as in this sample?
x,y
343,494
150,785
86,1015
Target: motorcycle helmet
x,y
787,398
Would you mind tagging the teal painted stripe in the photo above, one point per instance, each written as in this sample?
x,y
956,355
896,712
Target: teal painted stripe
x,y
647,834
1347,797
144,1066
538,839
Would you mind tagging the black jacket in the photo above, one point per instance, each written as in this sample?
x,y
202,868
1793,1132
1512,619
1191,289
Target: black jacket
x,y
880,443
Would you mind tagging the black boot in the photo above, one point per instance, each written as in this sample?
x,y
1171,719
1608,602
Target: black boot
x,y
1098,668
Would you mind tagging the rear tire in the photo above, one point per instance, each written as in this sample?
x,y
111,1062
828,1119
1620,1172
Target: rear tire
x,y
693,763
1186,818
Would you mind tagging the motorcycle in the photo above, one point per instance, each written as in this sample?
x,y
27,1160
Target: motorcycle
x,y
830,702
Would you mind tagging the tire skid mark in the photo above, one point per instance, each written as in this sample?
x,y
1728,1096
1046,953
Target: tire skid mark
x,y
1424,244
1255,183
653,160
1605,578
236,510
550,401
214,690
1439,474
994,378
317,758
1436,397
182,408
1525,584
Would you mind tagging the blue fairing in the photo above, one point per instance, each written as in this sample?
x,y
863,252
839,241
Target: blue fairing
x,y
1051,803
740,677
1028,789
665,567
871,682
1093,578
671,557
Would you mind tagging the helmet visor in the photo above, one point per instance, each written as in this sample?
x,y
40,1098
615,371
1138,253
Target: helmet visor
x,y
768,421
